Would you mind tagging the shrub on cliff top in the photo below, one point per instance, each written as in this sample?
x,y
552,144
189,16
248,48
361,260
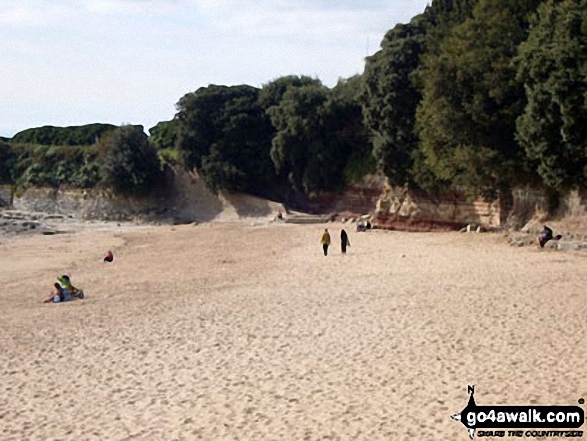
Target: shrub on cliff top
x,y
126,162
53,166
6,159
131,164
75,135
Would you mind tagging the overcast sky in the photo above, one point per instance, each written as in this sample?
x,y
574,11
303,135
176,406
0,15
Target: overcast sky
x,y
70,62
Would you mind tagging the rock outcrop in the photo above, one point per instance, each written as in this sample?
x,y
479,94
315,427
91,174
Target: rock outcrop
x,y
182,198
404,209
5,195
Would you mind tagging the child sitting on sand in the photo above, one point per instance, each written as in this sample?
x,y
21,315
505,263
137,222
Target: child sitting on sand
x,y
57,295
69,288
66,283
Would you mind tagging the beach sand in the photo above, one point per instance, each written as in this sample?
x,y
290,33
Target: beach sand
x,y
240,332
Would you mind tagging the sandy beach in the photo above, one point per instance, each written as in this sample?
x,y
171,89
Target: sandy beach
x,y
242,332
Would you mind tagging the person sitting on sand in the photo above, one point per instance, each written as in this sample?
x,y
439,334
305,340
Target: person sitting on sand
x,y
66,282
362,227
56,296
546,235
68,288
325,241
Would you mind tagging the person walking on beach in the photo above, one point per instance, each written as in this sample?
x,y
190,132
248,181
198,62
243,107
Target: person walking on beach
x,y
344,241
325,241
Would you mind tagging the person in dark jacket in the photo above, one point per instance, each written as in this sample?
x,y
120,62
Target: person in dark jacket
x,y
344,241
546,235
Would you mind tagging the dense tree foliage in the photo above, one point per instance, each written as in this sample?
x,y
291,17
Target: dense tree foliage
x,y
319,134
391,97
164,135
6,162
352,132
299,148
497,105
393,80
123,160
553,67
272,92
293,130
226,135
443,16
53,166
131,164
76,135
471,100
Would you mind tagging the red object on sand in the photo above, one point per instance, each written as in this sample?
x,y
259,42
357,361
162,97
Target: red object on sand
x,y
109,257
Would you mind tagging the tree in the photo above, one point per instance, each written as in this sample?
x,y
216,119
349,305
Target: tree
x,y
392,90
131,164
553,67
317,133
298,148
390,98
272,92
74,135
7,158
471,99
226,135
442,17
54,166
164,135
346,125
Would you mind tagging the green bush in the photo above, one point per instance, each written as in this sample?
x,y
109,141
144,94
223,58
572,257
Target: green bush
x,y
164,134
76,135
226,135
6,162
54,166
131,164
358,166
170,156
126,162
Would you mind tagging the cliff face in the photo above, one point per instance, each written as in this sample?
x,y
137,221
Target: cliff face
x,y
523,209
531,209
5,195
182,197
356,200
400,208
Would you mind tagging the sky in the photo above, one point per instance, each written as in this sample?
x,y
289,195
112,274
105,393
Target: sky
x,y
73,62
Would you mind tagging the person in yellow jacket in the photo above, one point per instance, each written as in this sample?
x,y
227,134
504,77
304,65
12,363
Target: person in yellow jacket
x,y
325,241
